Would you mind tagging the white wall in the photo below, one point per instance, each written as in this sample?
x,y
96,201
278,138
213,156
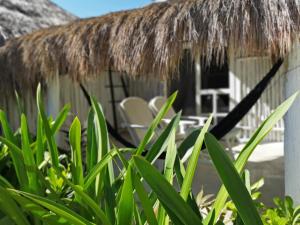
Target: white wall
x,y
69,92
292,128
245,73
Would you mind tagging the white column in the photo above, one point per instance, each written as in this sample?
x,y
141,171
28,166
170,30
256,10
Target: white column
x,y
198,84
292,129
234,82
53,96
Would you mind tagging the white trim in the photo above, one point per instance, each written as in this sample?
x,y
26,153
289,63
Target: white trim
x,y
198,84
291,132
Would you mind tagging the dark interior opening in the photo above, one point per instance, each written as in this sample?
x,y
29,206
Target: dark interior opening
x,y
214,76
185,84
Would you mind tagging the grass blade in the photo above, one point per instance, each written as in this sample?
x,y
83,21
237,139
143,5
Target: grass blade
x,y
39,141
90,202
37,211
16,154
60,119
166,194
30,166
243,157
145,202
5,183
233,182
75,142
20,105
98,168
192,165
46,125
56,125
155,123
12,147
56,208
102,144
9,207
101,129
126,205
168,174
91,150
162,141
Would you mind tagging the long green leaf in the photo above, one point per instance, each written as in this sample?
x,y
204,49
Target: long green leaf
x,y
56,208
98,168
232,182
168,174
180,174
16,155
103,147
192,165
20,104
91,203
12,147
243,157
91,150
188,142
9,207
101,129
166,194
155,123
39,141
162,141
37,211
145,202
126,205
55,126
75,142
30,166
60,119
5,183
46,125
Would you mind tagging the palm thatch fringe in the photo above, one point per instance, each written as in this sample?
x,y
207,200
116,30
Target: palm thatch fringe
x,y
149,41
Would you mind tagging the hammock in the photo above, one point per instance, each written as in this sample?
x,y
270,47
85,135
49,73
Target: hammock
x,y
224,126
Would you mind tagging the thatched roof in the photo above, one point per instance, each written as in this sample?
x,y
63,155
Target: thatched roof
x,y
149,41
19,17
2,38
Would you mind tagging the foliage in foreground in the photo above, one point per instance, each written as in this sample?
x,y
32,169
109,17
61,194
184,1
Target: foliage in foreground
x,y
111,185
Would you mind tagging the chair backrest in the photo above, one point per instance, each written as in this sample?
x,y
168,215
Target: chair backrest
x,y
135,111
157,103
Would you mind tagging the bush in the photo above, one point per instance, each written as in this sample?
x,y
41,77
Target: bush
x,y
113,185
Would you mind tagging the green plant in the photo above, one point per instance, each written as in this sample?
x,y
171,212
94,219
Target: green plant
x,y
113,185
255,195
284,213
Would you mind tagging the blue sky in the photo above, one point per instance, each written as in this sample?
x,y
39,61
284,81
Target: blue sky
x,y
88,8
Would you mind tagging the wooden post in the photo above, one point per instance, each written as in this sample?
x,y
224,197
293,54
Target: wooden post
x,y
292,129
113,99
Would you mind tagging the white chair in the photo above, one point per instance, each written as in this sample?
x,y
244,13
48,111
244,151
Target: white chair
x,y
186,122
136,116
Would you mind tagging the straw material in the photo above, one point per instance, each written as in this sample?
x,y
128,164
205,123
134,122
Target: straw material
x,y
149,41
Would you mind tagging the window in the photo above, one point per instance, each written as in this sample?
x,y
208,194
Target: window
x,y
223,103
214,76
207,103
215,92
